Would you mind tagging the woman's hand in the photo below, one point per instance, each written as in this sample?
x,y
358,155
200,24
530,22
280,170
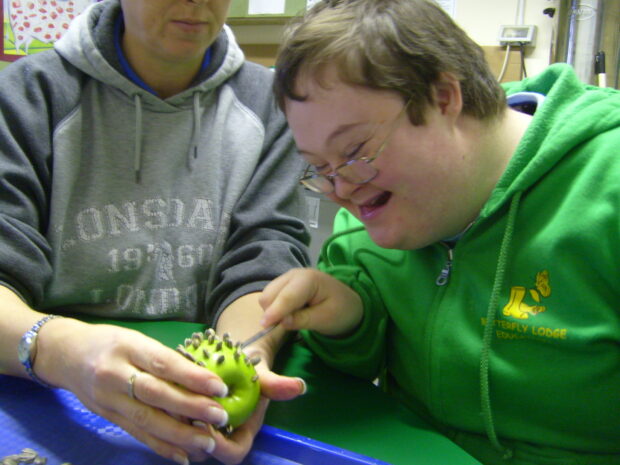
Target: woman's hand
x,y
241,320
232,449
97,362
169,406
304,298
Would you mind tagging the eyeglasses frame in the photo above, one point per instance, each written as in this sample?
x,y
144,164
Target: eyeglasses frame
x,y
330,177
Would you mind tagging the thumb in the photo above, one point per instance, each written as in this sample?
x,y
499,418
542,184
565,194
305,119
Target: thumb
x,y
278,387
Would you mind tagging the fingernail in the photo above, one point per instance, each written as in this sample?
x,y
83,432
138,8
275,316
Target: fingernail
x,y
200,424
180,459
205,443
304,386
218,388
218,416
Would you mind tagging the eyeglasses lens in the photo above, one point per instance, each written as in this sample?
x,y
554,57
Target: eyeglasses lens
x,y
357,171
319,184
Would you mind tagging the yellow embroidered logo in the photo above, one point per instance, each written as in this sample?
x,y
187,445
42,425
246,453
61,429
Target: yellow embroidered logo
x,y
517,307
523,304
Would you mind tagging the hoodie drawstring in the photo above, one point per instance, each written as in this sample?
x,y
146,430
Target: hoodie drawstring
x,y
193,147
485,396
137,153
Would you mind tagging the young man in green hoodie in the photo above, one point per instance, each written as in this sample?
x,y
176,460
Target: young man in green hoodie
x,y
474,267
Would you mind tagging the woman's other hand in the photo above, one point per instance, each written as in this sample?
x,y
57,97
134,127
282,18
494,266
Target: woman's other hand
x,y
146,388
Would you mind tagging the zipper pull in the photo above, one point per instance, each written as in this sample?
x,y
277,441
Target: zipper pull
x,y
444,276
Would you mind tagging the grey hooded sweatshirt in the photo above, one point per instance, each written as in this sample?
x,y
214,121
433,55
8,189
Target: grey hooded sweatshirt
x,y
114,202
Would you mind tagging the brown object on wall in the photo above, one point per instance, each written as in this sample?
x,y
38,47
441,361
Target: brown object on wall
x,y
495,57
265,54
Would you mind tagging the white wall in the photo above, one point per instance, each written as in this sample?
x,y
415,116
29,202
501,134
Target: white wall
x,y
481,19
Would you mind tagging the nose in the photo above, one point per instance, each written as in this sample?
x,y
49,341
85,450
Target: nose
x,y
344,189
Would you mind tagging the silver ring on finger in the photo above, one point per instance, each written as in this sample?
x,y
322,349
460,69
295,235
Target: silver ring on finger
x,y
131,385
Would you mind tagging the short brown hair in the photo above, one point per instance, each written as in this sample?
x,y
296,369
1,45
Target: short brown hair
x,y
398,45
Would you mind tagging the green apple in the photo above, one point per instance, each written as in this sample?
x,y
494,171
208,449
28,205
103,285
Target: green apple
x,y
225,359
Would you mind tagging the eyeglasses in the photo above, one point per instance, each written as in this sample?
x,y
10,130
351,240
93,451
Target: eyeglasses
x,y
356,171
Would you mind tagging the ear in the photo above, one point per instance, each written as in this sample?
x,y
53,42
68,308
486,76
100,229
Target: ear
x,y
447,95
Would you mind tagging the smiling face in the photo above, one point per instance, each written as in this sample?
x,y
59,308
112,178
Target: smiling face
x,y
426,183
171,31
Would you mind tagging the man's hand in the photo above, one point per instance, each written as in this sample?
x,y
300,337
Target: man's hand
x,y
309,299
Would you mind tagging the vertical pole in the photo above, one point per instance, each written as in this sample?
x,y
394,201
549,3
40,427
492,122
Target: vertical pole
x,y
572,31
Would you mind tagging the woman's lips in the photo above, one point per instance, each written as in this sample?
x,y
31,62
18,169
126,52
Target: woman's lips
x,y
372,208
190,26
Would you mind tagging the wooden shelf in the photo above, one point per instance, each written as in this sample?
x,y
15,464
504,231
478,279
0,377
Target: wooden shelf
x,y
258,20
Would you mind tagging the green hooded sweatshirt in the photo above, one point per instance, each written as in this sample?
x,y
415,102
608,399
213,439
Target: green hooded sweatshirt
x,y
509,341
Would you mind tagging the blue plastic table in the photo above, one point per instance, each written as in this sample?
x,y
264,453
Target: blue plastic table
x,y
340,421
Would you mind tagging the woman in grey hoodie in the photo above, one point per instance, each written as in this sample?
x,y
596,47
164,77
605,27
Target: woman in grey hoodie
x,y
145,173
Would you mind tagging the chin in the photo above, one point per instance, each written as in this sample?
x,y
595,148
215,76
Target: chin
x,y
386,241
391,240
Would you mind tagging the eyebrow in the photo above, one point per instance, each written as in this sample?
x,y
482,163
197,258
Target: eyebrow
x,y
338,132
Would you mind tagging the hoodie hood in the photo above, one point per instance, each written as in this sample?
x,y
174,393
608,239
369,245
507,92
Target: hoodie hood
x,y
570,116
87,46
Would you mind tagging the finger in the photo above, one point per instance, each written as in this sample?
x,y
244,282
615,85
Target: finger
x,y
298,291
323,318
167,436
175,399
272,289
308,318
278,387
165,363
232,449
